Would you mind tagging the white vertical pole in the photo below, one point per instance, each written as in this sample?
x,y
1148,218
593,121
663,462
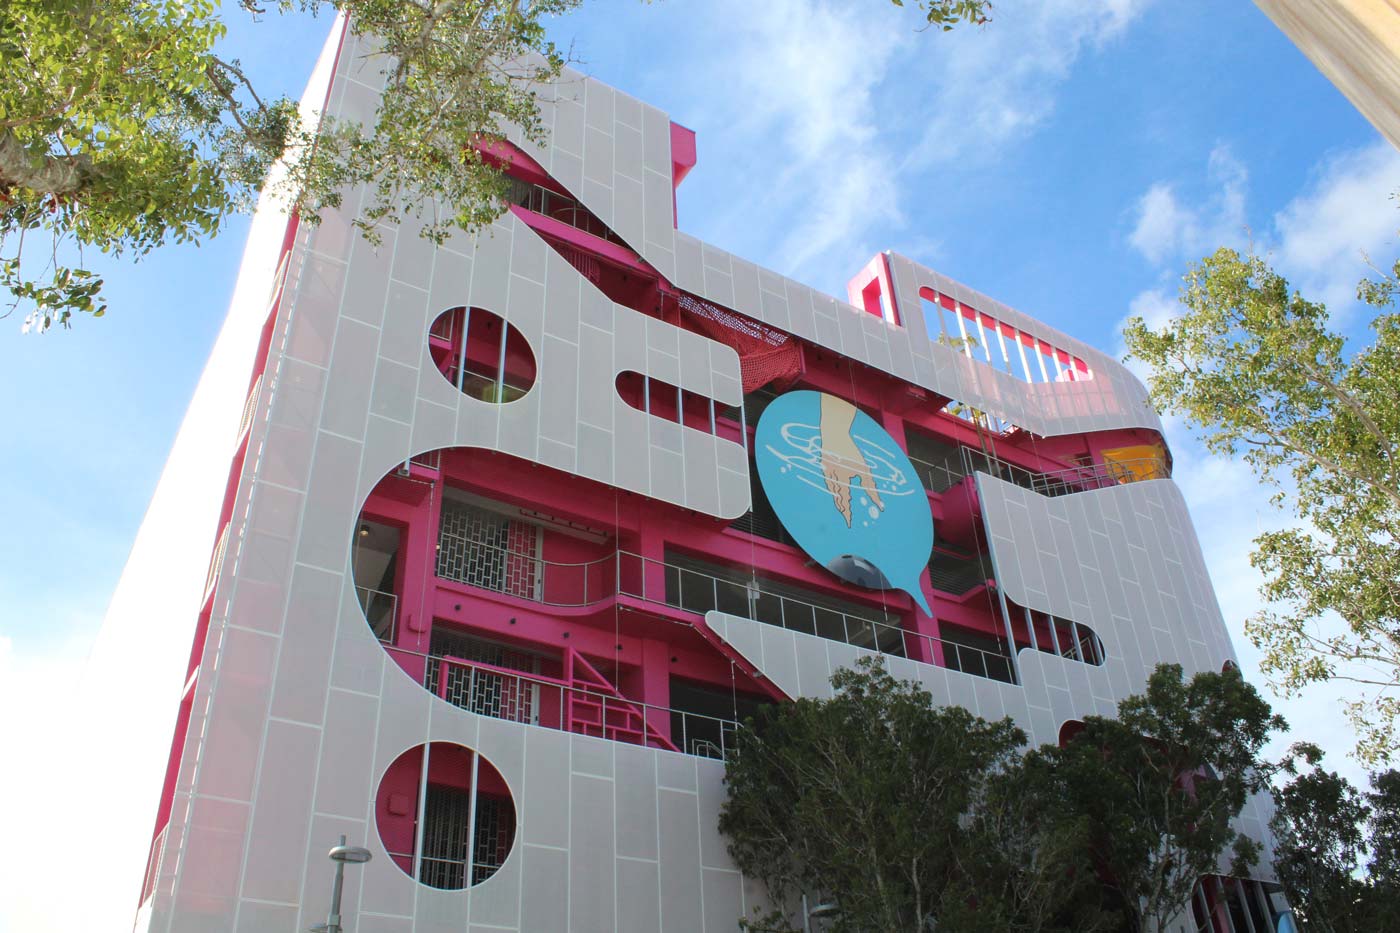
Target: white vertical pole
x,y
1001,339
1078,646
422,810
1021,349
1030,627
471,821
501,372
462,350
1040,358
1054,634
1204,904
744,427
1224,904
982,336
962,329
1238,886
1262,900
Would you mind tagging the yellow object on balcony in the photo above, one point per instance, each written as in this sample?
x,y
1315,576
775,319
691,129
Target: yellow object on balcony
x,y
1138,462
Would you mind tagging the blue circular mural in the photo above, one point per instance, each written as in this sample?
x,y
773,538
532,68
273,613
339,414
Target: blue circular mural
x,y
845,491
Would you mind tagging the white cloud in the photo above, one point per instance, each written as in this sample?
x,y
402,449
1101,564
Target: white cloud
x,y
1155,307
825,117
854,111
1347,212
982,88
1166,229
1319,240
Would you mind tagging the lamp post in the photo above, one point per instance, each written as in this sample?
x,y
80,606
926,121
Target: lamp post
x,y
355,855
829,909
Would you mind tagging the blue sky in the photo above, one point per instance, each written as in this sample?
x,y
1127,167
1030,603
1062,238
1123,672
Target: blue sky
x,y
1070,159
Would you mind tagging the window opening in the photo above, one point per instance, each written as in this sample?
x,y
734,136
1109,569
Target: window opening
x,y
974,653
696,586
374,567
462,806
941,465
937,308
957,572
705,719
481,354
666,401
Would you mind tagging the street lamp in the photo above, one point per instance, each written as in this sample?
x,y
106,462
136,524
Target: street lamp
x,y
355,855
829,909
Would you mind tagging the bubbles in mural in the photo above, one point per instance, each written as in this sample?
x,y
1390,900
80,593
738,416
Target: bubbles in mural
x,y
845,491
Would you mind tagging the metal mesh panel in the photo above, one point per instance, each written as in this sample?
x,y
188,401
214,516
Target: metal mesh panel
x,y
485,693
495,830
956,573
481,548
447,817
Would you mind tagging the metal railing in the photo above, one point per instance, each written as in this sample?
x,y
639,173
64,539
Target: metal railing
x,y
976,661
484,386
552,583
445,327
688,589
245,421
537,700
382,611
1071,480
693,590
153,864
940,477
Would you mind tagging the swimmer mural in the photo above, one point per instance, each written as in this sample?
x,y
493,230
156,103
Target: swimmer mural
x,y
845,491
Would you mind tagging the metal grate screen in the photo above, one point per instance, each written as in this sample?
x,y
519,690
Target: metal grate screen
x,y
485,693
482,548
446,851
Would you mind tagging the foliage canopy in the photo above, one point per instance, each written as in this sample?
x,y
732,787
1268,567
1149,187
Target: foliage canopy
x,y
1337,849
123,127
1259,371
904,812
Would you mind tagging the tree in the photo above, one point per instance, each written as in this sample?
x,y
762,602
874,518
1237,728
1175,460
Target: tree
x,y
1257,370
1027,865
860,797
1324,831
1160,785
123,128
903,812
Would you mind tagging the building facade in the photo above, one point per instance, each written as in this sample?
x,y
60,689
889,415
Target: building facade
x,y
519,528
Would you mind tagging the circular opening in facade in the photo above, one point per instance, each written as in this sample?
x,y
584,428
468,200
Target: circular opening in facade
x,y
481,354
467,815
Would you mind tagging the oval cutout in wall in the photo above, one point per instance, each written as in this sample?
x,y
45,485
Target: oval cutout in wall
x,y
468,816
481,354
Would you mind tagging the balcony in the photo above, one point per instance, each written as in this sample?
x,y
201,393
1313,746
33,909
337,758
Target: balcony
x,y
1071,480
696,590
587,707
